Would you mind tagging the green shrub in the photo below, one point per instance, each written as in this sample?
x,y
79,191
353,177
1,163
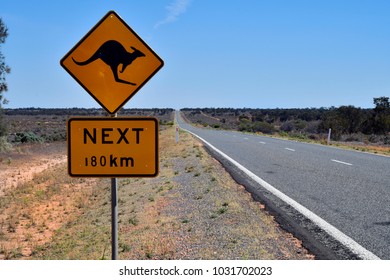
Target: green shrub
x,y
27,137
263,127
55,136
4,145
257,126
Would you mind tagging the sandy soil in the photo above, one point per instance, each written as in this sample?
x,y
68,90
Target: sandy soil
x,y
192,210
36,197
21,165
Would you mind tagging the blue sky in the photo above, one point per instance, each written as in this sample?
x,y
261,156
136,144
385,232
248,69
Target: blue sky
x,y
233,53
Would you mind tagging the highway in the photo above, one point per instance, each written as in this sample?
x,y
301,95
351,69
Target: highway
x,y
344,194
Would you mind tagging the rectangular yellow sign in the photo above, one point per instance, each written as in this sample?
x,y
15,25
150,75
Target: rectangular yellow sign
x,y
113,147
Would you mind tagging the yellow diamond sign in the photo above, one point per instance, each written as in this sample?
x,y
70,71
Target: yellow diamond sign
x,y
111,62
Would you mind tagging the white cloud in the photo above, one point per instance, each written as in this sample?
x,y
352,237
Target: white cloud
x,y
174,10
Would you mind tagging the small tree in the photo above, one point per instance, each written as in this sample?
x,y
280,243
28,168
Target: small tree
x,y
4,70
381,122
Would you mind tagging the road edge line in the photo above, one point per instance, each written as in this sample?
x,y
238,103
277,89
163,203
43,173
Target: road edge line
x,y
344,239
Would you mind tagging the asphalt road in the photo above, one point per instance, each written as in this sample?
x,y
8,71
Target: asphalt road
x,y
347,189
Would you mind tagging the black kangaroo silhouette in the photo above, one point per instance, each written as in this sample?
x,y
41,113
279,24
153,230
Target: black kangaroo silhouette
x,y
113,54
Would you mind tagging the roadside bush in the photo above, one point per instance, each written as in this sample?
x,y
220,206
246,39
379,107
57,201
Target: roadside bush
x,y
263,127
379,139
374,138
287,126
283,134
312,127
27,137
299,136
3,125
55,136
300,124
165,122
4,145
245,125
315,137
354,137
336,135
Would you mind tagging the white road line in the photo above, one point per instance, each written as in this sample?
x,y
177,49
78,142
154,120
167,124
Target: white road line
x,y
245,138
342,162
288,149
261,142
347,241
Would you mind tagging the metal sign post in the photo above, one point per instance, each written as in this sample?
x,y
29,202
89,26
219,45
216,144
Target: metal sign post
x,y
114,218
114,214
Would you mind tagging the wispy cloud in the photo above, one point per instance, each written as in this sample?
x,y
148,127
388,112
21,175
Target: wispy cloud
x,y
174,10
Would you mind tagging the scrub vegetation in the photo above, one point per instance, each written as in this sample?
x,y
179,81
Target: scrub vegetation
x,y
361,129
192,210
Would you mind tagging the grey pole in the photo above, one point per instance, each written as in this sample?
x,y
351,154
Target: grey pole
x,y
114,218
114,215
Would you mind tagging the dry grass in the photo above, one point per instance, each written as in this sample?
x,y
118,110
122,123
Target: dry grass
x,y
192,210
33,211
357,146
374,149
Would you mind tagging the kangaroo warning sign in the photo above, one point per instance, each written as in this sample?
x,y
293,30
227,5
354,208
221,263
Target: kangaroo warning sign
x,y
113,147
111,62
